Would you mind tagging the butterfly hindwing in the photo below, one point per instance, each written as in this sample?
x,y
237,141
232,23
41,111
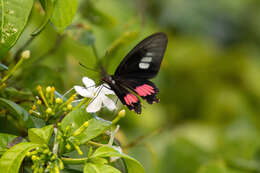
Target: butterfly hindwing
x,y
126,97
143,88
145,59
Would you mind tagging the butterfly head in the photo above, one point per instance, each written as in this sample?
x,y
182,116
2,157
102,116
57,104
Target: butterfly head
x,y
108,79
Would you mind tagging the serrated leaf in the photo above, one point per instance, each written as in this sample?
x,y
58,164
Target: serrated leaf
x,y
18,113
12,159
40,136
14,17
48,6
76,118
99,168
4,140
63,13
133,166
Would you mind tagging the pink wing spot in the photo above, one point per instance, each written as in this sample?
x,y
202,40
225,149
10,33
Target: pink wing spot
x,y
130,98
144,90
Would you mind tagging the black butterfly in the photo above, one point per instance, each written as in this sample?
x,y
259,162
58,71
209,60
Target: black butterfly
x,y
131,78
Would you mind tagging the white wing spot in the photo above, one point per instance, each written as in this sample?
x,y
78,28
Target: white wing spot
x,y
149,54
146,59
144,65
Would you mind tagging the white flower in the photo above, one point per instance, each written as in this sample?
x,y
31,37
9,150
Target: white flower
x,y
98,95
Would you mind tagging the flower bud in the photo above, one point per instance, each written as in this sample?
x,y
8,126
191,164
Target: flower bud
x,y
48,89
39,102
26,54
34,107
34,157
121,113
68,147
58,100
69,106
80,129
48,110
52,89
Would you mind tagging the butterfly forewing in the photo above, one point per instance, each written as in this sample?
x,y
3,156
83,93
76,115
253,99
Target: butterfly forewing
x,y
145,59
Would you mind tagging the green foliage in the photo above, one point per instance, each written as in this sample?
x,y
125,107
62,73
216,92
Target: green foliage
x,y
49,8
133,166
18,113
12,159
4,140
63,13
208,117
40,136
96,168
76,118
14,16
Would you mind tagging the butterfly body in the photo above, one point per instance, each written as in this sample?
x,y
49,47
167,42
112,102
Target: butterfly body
x,y
131,78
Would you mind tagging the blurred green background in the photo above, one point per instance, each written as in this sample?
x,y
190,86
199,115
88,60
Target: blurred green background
x,y
208,118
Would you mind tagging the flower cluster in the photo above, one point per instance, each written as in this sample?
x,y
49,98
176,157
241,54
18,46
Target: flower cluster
x,y
48,105
45,161
68,139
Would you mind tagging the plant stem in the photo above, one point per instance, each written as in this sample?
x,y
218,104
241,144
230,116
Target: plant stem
x,y
11,72
81,103
56,144
95,144
74,161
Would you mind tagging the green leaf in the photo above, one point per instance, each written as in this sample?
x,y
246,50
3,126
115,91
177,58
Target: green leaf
x,y
99,168
16,95
40,136
133,166
48,6
18,113
64,12
11,160
76,118
96,16
96,126
14,17
4,140
3,67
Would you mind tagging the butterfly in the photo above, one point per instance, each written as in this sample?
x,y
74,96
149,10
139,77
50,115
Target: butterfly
x,y
131,78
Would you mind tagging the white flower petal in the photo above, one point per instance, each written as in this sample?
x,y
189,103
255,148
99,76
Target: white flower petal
x,y
89,83
83,91
108,103
107,91
95,105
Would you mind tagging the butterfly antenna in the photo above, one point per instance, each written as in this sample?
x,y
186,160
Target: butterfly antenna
x,y
88,68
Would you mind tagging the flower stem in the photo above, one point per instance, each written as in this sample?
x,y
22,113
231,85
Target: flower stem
x,y
81,103
11,72
95,144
